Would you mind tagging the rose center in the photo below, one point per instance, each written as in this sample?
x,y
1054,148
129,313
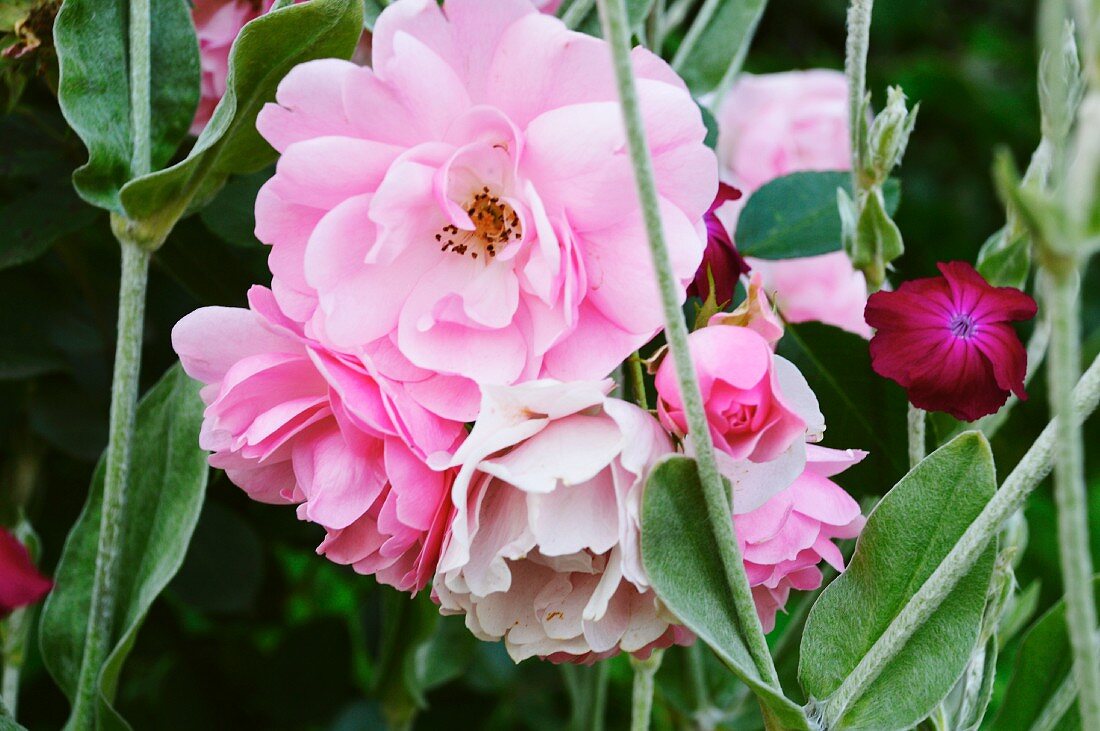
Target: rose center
x,y
496,224
739,417
962,325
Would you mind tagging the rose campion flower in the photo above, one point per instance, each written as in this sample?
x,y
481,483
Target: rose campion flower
x,y
217,23
759,407
721,262
947,340
470,202
772,125
785,539
544,548
294,423
21,584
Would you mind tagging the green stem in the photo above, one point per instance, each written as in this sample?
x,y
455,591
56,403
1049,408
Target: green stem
x,y
124,390
1027,475
703,17
917,438
577,12
641,707
141,162
614,20
855,68
1069,488
637,381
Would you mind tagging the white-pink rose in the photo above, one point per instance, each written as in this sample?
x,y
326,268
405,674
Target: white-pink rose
x,y
773,125
544,547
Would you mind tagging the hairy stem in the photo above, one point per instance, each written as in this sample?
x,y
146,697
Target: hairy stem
x,y
141,161
917,443
855,68
1027,475
614,19
124,391
642,697
1069,489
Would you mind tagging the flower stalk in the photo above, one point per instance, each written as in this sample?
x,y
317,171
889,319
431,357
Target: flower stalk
x,y
642,696
124,384
1035,465
613,18
917,438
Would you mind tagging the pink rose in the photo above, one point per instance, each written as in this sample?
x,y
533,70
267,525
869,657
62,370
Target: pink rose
x,y
294,423
544,548
785,539
755,312
775,124
470,202
217,24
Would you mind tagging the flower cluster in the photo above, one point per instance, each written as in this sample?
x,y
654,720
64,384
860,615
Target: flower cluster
x,y
456,238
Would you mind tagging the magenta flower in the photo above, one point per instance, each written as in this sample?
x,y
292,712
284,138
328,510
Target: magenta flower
x,y
720,259
948,342
20,582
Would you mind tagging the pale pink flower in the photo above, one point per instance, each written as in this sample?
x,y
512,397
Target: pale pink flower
x,y
292,422
759,408
544,547
785,539
755,312
773,125
217,23
470,201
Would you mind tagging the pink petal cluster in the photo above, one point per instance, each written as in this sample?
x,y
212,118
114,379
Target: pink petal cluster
x,y
544,550
773,125
785,539
21,583
949,341
468,202
217,23
292,422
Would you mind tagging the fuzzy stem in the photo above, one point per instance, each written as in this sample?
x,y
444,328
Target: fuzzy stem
x,y
576,12
1069,488
642,698
917,444
141,162
1027,475
614,20
855,68
124,389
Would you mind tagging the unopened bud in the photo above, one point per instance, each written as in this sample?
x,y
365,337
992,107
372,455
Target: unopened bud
x,y
889,135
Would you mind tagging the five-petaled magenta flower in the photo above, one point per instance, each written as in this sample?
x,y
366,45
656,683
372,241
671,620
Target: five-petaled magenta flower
x,y
20,582
947,340
722,264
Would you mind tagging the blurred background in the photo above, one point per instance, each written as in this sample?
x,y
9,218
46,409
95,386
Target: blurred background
x,y
257,631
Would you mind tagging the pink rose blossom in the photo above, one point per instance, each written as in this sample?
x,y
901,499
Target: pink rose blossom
x,y
544,547
949,342
217,24
785,539
294,423
773,125
470,204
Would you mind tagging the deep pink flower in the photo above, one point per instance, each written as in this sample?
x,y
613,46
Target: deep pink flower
x,y
21,583
469,200
947,340
292,422
720,260
773,125
785,539
544,548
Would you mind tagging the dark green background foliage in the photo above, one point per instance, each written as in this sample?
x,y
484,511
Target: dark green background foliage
x,y
258,632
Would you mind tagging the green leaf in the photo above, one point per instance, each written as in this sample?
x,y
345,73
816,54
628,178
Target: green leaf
x,y
681,558
796,215
371,10
232,213
264,52
718,50
94,88
164,499
1005,260
34,221
1043,664
907,536
711,124
861,409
